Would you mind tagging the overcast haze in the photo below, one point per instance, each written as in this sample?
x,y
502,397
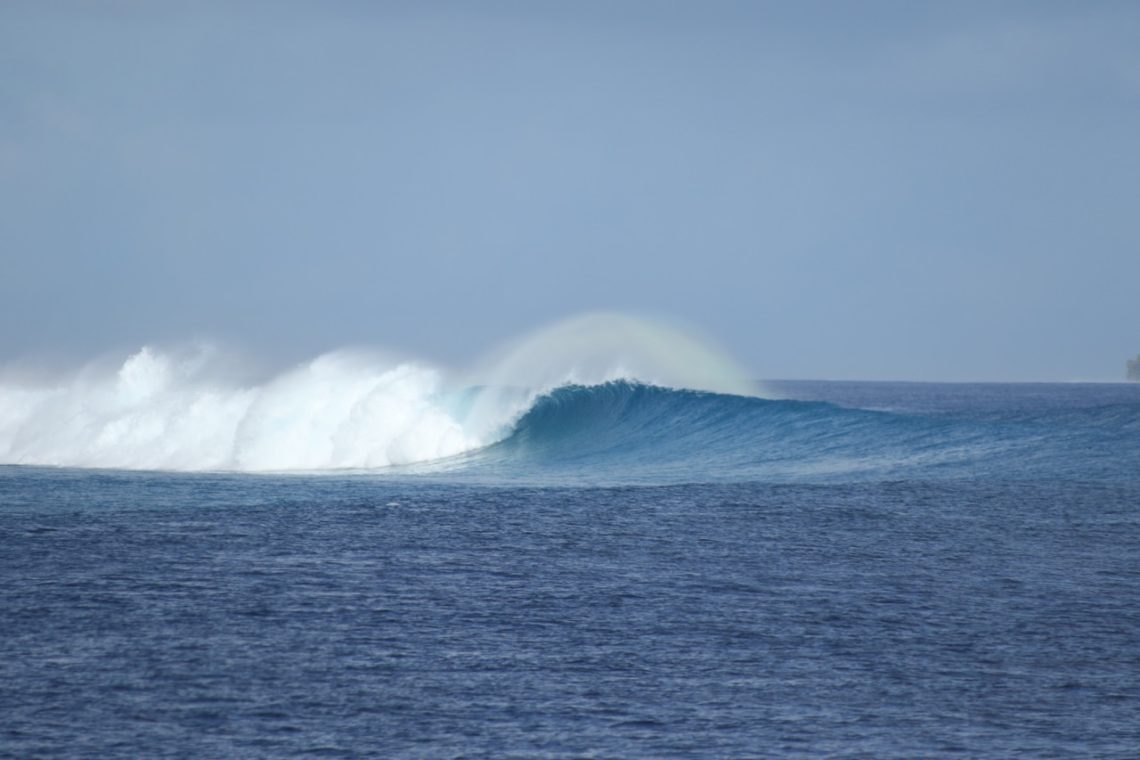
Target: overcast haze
x,y
833,190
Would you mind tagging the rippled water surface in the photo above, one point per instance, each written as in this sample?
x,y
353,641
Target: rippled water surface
x,y
983,600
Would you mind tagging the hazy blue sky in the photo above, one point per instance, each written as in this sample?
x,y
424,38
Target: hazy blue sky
x,y
847,189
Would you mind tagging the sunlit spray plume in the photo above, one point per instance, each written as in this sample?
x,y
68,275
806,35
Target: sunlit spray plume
x,y
591,349
179,410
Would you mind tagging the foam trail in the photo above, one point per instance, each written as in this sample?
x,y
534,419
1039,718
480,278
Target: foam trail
x,y
174,410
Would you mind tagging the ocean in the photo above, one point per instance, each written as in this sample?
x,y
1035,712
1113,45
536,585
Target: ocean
x,y
836,570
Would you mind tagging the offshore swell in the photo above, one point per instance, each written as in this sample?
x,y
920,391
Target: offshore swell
x,y
618,568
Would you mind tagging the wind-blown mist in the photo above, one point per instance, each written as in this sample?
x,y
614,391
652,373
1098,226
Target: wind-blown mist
x,y
180,410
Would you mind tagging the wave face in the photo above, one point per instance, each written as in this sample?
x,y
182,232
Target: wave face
x,y
630,432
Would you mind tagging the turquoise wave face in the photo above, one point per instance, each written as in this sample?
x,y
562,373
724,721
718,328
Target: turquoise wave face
x,y
622,432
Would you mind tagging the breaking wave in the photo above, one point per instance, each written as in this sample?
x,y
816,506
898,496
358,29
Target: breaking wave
x,y
603,399
176,410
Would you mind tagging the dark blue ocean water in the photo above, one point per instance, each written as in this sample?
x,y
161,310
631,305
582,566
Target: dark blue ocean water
x,y
858,570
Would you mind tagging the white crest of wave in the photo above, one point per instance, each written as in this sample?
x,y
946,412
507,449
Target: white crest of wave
x,y
175,410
